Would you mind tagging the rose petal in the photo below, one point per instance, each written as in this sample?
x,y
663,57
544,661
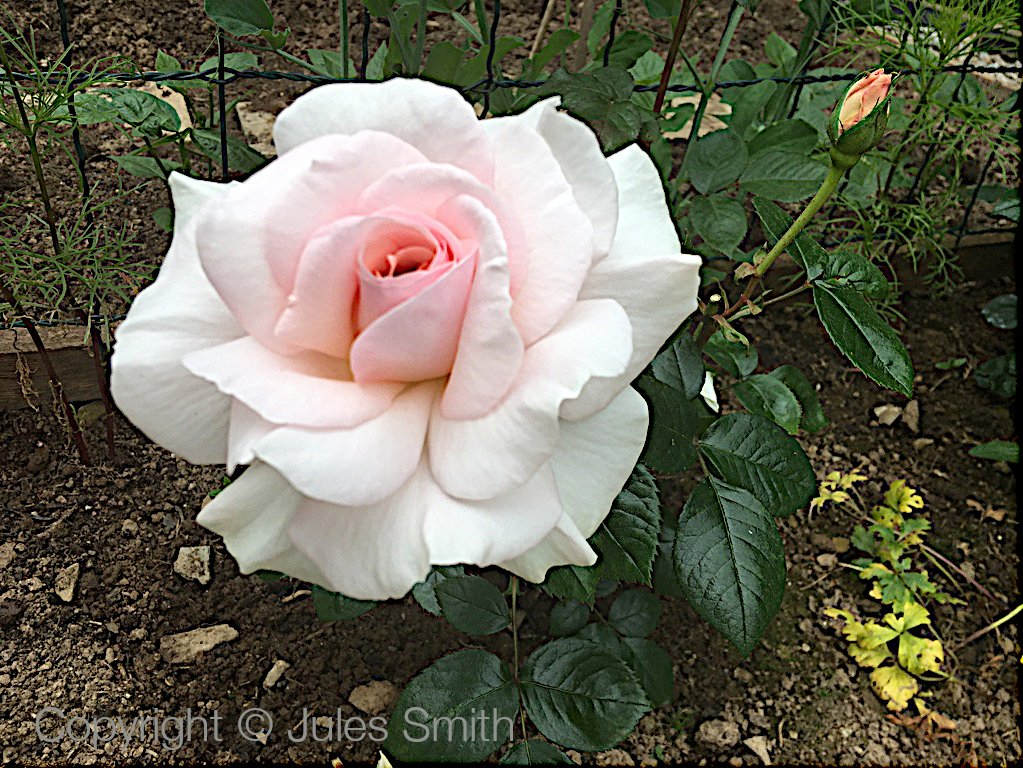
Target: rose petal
x,y
297,390
177,314
489,531
591,466
578,152
374,552
356,466
318,312
559,236
416,340
434,119
429,189
489,456
490,349
564,545
253,515
246,429
644,272
252,240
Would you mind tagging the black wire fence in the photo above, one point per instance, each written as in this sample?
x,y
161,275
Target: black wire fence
x,y
223,76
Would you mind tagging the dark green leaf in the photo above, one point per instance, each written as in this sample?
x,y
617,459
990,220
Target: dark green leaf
x,y
570,582
443,62
602,97
747,105
788,135
716,160
164,218
675,422
240,17
240,157
851,269
332,606
425,591
580,695
329,63
435,717
627,539
628,47
720,220
752,453
680,366
779,52
145,167
768,397
998,374
653,666
804,249
568,618
862,336
735,357
535,752
781,175
236,61
997,450
730,561
472,604
635,613
1001,311
663,9
557,44
147,112
167,63
813,418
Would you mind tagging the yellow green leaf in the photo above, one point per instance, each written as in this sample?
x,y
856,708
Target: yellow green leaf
x,y
918,655
894,685
846,481
869,657
874,635
903,498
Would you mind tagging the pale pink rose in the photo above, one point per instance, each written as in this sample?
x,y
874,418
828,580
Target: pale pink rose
x,y
418,328
865,94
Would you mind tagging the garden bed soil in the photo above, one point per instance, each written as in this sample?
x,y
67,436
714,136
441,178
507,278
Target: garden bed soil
x,y
122,523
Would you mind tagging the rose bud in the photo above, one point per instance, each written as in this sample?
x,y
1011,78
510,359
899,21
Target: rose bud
x,y
860,118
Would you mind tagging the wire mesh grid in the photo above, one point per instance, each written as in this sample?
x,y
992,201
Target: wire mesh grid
x,y
223,76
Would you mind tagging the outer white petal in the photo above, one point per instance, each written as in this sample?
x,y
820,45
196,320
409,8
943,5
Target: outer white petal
x,y
564,545
356,466
253,515
177,314
709,394
434,119
299,390
645,272
487,532
372,552
593,462
490,349
578,152
559,236
489,456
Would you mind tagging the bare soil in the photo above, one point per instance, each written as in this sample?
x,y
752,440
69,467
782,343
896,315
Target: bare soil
x,y
123,522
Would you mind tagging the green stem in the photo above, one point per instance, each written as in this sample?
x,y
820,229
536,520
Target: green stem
x,y
515,643
420,35
1007,617
715,69
827,188
669,63
343,28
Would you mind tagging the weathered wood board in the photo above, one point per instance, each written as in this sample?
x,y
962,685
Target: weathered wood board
x,y
23,380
